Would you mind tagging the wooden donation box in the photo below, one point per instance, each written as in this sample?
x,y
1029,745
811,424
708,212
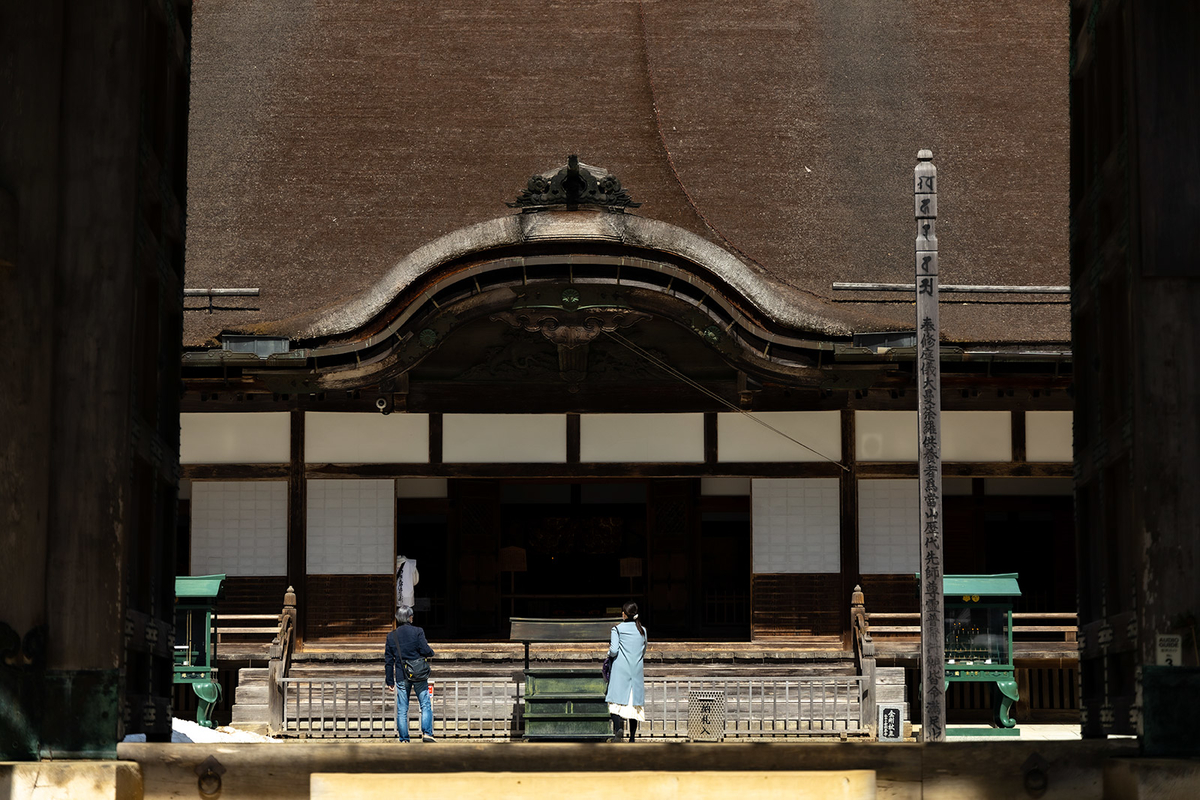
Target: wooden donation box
x,y
196,639
979,639
565,703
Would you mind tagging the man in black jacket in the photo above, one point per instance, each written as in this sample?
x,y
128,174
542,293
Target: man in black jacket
x,y
406,643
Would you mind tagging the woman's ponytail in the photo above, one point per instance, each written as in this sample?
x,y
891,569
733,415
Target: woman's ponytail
x,y
630,610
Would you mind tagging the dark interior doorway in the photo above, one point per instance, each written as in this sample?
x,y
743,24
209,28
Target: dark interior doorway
x,y
571,549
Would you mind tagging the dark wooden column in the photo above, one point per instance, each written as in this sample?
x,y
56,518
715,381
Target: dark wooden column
x,y
1018,437
710,438
849,522
297,525
435,438
573,438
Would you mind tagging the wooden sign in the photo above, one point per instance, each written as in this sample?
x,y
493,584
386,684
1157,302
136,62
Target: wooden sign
x,y
891,723
1168,649
929,451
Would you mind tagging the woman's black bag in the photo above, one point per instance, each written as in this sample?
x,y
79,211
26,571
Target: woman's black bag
x,y
416,669
606,668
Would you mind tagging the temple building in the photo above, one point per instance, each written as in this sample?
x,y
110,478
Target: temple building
x,y
630,375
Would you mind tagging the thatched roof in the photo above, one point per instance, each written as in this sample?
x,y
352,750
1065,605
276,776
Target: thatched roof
x,y
330,140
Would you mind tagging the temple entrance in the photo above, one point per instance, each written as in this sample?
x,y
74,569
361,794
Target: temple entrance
x,y
572,549
495,549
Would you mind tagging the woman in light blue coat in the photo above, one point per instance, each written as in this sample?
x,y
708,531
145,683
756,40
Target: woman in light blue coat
x,y
626,685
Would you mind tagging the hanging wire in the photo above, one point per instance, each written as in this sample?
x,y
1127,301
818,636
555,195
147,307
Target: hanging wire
x,y
667,368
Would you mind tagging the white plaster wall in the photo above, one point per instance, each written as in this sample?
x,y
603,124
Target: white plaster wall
x,y
888,514
796,524
885,435
504,438
971,436
641,438
348,438
1049,436
239,528
351,526
976,436
740,438
235,438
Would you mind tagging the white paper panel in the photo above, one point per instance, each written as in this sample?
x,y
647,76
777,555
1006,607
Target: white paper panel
x,y
1048,436
796,525
239,527
235,438
350,527
641,438
885,435
504,438
976,436
888,513
348,438
740,438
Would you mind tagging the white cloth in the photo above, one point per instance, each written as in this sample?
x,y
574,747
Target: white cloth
x,y
628,710
407,578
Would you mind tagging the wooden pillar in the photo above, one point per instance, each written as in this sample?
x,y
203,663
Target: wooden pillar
x,y
849,523
297,525
573,438
929,454
1018,437
435,438
710,437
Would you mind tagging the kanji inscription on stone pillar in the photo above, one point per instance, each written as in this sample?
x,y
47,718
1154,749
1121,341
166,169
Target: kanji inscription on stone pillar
x,y
929,452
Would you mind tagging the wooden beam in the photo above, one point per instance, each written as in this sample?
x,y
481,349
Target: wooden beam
x,y
235,472
575,471
990,469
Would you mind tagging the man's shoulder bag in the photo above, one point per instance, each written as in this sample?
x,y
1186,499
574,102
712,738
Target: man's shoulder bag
x,y
416,669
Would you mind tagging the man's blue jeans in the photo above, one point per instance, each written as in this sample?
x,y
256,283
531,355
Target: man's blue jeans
x,y
422,687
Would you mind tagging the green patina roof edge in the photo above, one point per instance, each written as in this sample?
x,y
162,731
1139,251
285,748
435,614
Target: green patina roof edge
x,y
1001,585
199,585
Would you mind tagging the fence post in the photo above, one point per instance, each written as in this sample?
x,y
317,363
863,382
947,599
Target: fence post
x,y
280,655
864,653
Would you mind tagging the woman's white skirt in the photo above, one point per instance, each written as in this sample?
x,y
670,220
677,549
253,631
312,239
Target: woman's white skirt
x,y
628,710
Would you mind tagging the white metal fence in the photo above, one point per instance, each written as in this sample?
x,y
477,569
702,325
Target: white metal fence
x,y
490,708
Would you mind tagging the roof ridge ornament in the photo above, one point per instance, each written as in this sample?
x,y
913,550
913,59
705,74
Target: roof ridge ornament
x,y
576,184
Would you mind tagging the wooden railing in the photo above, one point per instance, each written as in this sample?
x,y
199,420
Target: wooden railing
x,y
491,708
864,652
280,662
1029,627
234,629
